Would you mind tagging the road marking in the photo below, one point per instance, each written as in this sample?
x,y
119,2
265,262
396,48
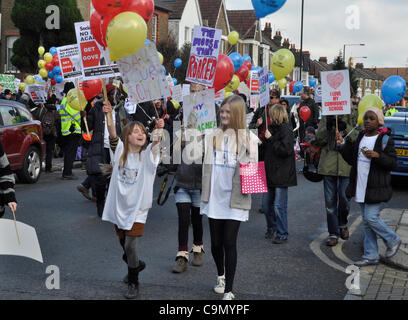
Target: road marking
x,y
315,247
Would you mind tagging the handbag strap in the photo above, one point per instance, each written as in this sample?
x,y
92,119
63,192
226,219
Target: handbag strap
x,y
163,187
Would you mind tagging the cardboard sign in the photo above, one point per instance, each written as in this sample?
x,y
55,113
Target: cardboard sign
x,y
7,81
70,62
143,75
186,90
254,90
263,87
204,55
38,93
199,111
177,93
95,60
130,107
336,92
318,93
219,97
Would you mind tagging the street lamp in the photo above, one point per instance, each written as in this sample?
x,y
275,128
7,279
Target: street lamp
x,y
301,42
344,49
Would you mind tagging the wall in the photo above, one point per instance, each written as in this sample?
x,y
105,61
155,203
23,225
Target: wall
x,y
190,18
7,29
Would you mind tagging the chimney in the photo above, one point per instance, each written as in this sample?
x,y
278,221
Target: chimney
x,y
323,59
293,47
267,33
286,43
360,65
277,38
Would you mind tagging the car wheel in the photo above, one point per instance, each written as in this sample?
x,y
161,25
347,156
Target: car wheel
x,y
31,167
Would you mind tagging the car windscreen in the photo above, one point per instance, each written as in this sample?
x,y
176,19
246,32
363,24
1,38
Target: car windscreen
x,y
398,129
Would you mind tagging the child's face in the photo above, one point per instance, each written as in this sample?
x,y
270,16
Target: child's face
x,y
137,138
225,115
371,121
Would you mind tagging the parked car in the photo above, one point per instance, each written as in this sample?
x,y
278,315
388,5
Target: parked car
x,y
399,133
292,100
22,139
400,114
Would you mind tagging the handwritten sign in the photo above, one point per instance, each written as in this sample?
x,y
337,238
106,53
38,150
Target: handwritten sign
x,y
143,76
8,82
204,55
335,92
70,61
199,111
177,93
263,87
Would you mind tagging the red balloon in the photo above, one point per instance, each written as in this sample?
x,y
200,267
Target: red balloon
x,y
223,72
304,113
53,83
247,64
248,82
96,28
55,60
109,7
292,83
145,8
242,73
91,88
49,66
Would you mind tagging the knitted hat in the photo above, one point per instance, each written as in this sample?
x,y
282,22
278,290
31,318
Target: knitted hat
x,y
379,114
110,87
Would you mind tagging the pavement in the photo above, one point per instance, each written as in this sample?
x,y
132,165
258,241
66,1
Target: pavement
x,y
389,279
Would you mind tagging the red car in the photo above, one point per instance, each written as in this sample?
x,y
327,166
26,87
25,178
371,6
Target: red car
x,y
22,139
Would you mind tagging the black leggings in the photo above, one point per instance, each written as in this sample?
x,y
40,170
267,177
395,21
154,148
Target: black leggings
x,y
224,240
183,210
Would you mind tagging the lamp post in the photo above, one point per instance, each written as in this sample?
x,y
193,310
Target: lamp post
x,y
344,49
301,42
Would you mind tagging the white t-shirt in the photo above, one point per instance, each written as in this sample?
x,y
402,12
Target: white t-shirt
x,y
106,135
363,167
218,206
130,193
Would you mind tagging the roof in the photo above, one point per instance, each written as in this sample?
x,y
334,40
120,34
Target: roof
x,y
317,66
160,5
270,43
388,72
243,21
176,7
210,10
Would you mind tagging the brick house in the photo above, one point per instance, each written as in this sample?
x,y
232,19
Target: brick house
x,y
9,34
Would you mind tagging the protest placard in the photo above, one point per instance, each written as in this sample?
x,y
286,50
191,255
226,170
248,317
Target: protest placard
x,y
219,97
335,92
186,89
130,107
38,93
7,81
254,90
204,55
199,111
95,60
70,61
177,93
263,77
318,93
143,75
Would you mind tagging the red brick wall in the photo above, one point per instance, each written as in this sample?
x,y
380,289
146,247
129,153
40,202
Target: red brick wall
x,y
162,27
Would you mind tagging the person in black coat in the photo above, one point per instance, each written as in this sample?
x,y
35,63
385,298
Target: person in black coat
x,y
313,120
372,157
280,171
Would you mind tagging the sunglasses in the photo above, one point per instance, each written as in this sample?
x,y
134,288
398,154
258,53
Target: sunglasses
x,y
274,97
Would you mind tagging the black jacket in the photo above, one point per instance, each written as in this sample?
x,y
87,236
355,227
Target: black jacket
x,y
379,187
280,157
188,176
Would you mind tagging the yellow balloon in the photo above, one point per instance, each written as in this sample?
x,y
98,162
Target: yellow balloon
x,y
74,102
29,80
126,35
160,57
43,73
41,64
233,38
48,57
369,101
283,62
227,94
176,104
41,50
282,83
22,86
233,84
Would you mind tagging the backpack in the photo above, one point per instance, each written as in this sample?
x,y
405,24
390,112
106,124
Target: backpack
x,y
48,122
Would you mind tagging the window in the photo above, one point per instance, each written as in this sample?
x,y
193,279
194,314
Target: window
x,y
186,34
9,116
246,49
25,116
10,43
154,28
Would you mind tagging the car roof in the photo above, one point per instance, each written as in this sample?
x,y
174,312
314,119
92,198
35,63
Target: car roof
x,y
400,114
12,103
395,119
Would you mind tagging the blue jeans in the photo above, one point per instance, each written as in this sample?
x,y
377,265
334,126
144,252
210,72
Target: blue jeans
x,y
373,226
337,204
280,206
268,209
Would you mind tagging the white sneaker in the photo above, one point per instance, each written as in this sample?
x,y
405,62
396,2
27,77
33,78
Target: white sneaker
x,y
220,287
228,296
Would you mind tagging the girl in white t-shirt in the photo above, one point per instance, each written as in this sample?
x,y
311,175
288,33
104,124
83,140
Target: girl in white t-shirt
x,y
130,193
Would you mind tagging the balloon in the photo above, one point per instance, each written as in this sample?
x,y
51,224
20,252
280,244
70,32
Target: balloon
x,y
247,64
282,83
393,89
312,82
291,85
41,50
178,62
147,41
369,101
55,60
160,57
283,62
96,22
73,101
175,81
49,66
237,60
91,88
233,84
41,64
51,74
223,72
264,8
22,86
48,57
176,104
164,70
58,78
145,8
53,51
247,58
56,70
298,87
227,94
242,73
233,38
108,7
43,73
271,77
125,35
53,82
304,113
29,80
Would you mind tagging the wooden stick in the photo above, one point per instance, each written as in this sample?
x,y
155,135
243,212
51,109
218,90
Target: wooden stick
x,y
337,123
80,103
15,225
105,96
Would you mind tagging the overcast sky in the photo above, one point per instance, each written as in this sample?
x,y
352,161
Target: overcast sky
x,y
383,28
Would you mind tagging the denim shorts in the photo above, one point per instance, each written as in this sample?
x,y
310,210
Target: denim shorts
x,y
189,196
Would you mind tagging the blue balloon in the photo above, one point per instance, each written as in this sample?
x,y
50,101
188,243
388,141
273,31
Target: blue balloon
x,y
178,62
393,89
53,51
312,82
164,70
271,77
175,81
256,68
264,8
237,60
56,70
147,41
247,58
51,74
58,79
298,87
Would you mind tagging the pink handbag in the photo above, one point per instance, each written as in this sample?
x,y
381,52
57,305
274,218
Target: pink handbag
x,y
253,178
